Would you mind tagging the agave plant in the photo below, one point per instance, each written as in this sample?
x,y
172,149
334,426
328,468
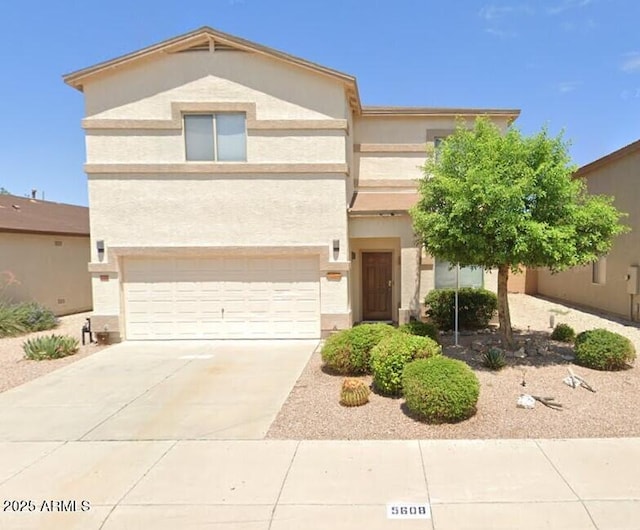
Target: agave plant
x,y
494,359
50,347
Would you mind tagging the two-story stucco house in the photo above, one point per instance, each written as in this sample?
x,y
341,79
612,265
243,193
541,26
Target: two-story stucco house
x,y
240,192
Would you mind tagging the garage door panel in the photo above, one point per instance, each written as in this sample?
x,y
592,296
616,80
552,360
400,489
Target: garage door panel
x,y
222,298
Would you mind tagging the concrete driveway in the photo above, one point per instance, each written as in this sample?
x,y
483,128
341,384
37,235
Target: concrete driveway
x,y
181,390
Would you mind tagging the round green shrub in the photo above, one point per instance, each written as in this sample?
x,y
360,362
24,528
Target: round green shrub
x,y
563,333
476,307
347,352
440,390
422,329
390,356
602,349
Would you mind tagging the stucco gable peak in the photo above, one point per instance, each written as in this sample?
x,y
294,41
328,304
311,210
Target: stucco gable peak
x,y
203,39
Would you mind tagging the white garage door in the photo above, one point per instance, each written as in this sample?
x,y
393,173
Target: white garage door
x,y
222,298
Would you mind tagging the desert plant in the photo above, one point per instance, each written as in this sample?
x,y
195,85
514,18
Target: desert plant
x,y
347,352
50,347
10,322
16,319
354,393
390,356
602,349
563,333
494,359
423,329
440,389
476,307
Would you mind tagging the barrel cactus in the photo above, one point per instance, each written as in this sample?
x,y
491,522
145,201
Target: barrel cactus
x,y
354,393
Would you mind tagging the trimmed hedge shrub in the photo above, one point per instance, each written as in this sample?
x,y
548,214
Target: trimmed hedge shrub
x,y
50,347
476,307
602,349
422,329
563,333
16,319
440,390
347,352
390,356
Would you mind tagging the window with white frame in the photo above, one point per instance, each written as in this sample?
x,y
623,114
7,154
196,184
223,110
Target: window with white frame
x,y
445,276
599,271
219,137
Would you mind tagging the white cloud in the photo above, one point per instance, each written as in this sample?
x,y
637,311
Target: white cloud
x,y
583,26
494,16
631,62
566,5
564,87
493,12
502,33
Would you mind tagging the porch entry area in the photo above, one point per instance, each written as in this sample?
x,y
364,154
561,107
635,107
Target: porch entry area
x,y
377,282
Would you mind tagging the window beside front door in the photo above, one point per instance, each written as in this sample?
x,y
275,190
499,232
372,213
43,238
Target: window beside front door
x,y
446,276
220,137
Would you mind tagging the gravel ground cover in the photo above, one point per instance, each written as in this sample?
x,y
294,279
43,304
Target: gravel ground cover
x,y
312,410
15,369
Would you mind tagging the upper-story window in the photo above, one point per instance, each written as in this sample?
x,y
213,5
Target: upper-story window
x,y
437,144
220,137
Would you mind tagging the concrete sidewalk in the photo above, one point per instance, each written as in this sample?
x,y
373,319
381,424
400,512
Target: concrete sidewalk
x,y
260,485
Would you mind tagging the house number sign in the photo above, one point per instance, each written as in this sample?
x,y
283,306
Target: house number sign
x,y
408,510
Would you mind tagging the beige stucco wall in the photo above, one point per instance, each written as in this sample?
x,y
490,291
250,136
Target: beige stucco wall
x,y
618,178
263,146
54,275
409,131
180,210
389,167
280,91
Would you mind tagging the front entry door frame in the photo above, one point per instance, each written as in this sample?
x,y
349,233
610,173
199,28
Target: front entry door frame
x,y
377,285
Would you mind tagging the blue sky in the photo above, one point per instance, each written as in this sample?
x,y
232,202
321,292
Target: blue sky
x,y
567,64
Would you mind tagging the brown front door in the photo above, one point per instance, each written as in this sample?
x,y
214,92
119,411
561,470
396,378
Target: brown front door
x,y
376,286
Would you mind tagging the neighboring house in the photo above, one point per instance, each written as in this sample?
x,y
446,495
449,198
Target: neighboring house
x,y
44,252
240,192
611,283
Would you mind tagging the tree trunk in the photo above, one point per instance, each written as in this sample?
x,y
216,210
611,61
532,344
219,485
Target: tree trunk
x,y
503,306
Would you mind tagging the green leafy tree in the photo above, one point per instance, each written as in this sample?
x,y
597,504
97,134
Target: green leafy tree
x,y
3,191
503,200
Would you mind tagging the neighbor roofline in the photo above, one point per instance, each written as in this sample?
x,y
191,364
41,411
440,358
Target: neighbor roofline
x,y
43,232
371,110
607,159
77,78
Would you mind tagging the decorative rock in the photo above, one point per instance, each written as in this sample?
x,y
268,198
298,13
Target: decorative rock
x,y
525,401
477,345
520,354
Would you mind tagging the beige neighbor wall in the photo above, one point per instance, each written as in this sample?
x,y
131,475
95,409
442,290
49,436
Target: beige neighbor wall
x,y
618,178
48,269
393,234
288,196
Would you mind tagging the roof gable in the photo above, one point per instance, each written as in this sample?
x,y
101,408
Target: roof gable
x,y
19,214
607,159
204,39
